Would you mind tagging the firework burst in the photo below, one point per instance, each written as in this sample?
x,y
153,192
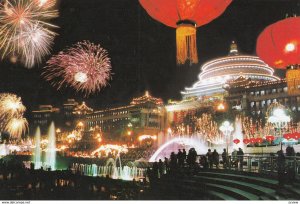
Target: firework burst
x,y
85,67
11,115
16,127
24,30
10,106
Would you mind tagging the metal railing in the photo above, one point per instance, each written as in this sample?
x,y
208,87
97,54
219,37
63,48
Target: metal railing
x,y
257,163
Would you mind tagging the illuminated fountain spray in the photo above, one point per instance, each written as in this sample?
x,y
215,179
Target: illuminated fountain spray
x,y
110,169
37,150
238,133
51,148
178,143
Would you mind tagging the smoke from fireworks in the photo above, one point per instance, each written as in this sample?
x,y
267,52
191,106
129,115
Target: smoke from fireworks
x,y
85,67
24,30
11,115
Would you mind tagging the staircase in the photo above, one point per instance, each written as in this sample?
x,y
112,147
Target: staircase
x,y
222,185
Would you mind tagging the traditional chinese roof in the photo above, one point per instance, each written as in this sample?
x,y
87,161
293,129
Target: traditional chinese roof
x,y
82,109
146,98
215,73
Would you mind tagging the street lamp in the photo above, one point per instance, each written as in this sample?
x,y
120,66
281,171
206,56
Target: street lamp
x,y
279,119
226,129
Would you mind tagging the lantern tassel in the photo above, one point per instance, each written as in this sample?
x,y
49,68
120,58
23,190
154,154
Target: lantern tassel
x,y
186,44
293,80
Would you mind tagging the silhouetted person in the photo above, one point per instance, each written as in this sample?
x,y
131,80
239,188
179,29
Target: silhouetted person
x,y
160,168
234,159
225,159
291,173
173,162
216,158
290,151
180,158
191,157
209,155
155,170
280,167
167,165
240,155
203,162
184,156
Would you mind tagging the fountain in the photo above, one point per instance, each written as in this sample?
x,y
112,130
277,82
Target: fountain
x,y
37,150
238,134
51,148
110,169
182,142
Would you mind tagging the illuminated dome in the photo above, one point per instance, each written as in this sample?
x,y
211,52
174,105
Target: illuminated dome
x,y
216,72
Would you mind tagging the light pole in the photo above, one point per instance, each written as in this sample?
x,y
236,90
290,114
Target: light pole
x,y
279,119
226,129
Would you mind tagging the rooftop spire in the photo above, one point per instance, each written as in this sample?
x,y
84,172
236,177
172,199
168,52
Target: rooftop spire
x,y
233,49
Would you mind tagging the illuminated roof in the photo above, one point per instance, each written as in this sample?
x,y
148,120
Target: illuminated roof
x,y
82,109
146,98
217,72
242,82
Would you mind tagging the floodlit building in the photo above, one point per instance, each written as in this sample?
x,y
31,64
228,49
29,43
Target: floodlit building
x,y
208,92
215,73
143,116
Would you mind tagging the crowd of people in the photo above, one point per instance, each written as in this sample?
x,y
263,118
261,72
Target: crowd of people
x,y
236,161
286,166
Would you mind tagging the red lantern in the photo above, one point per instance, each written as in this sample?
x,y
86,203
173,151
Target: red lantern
x,y
270,138
259,140
246,141
288,136
296,135
253,140
185,16
279,46
236,141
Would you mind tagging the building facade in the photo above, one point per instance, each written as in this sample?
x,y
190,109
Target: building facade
x,y
254,98
145,115
215,73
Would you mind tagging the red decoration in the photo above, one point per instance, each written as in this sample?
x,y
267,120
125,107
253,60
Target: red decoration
x,y
297,135
259,140
288,136
253,140
185,16
246,141
279,44
236,141
270,138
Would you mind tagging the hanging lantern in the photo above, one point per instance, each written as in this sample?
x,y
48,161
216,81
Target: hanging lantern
x,y
185,16
236,141
297,135
259,140
246,141
287,136
252,140
279,46
270,138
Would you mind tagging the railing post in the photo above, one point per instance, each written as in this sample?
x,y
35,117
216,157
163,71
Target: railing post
x,y
249,163
259,165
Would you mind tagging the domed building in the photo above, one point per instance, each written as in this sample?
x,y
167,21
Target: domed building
x,y
217,72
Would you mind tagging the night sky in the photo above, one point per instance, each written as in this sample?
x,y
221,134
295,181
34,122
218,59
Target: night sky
x,y
142,50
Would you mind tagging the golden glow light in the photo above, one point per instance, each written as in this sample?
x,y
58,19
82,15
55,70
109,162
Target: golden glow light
x,y
143,137
290,47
